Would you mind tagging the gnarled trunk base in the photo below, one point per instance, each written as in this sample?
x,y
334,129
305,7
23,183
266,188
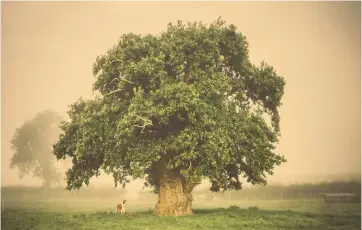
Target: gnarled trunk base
x,y
174,198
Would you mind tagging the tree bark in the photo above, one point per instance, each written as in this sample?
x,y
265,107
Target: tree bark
x,y
174,197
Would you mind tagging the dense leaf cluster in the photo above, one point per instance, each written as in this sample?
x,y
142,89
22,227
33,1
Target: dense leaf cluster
x,y
187,100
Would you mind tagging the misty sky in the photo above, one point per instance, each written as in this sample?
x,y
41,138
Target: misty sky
x,y
48,50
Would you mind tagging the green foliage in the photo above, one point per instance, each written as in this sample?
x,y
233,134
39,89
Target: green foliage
x,y
187,100
32,147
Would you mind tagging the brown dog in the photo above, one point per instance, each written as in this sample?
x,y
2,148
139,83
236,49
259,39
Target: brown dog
x,y
122,207
129,214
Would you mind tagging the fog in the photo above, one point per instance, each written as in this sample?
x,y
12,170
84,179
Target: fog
x,y
48,50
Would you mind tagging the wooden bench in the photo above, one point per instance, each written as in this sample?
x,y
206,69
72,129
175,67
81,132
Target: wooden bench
x,y
339,197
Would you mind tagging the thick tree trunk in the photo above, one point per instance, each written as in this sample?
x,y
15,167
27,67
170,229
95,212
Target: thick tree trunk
x,y
174,197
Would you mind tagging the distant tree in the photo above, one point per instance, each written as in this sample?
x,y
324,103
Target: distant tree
x,y
175,108
32,147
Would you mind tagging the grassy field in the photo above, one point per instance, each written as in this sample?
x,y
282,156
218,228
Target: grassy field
x,y
100,214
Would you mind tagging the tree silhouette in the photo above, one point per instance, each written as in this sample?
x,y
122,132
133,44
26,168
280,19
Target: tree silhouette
x,y
32,147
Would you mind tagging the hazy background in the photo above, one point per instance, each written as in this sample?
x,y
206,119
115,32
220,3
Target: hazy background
x,y
48,50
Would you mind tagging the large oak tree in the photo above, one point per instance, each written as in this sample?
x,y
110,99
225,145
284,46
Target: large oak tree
x,y
175,108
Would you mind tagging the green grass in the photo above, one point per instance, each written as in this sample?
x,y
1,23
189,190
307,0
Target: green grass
x,y
95,214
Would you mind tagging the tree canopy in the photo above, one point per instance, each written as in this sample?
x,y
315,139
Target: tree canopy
x,y
186,103
32,147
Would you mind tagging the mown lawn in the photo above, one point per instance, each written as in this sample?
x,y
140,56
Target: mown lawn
x,y
299,215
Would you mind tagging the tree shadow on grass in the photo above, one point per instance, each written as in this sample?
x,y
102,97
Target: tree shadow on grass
x,y
231,209
206,211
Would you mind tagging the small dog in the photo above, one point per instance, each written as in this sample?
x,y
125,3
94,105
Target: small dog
x,y
122,207
129,214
